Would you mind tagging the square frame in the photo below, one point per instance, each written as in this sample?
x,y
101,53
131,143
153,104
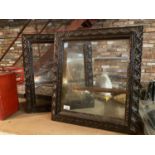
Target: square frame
x,y
132,123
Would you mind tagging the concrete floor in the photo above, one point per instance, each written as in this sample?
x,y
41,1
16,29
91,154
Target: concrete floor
x,y
41,124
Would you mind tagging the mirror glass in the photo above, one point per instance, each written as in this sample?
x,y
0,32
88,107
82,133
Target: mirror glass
x,y
42,64
95,77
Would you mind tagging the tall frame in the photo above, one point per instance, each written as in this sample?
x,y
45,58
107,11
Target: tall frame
x,y
132,119
27,41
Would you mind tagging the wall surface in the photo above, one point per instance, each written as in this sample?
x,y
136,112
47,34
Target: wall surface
x,y
7,34
148,57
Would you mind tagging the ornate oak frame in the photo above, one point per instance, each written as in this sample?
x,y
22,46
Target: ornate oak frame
x,y
27,41
132,121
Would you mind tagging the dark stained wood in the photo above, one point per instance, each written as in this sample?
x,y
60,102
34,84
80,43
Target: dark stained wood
x,y
95,90
27,42
88,68
132,118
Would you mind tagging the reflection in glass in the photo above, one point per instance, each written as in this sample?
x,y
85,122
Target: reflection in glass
x,y
105,63
42,64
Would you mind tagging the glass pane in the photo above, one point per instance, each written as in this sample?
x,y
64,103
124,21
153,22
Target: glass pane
x,y
95,77
42,64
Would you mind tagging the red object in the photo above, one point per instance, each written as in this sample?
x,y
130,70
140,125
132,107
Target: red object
x,y
18,70
8,95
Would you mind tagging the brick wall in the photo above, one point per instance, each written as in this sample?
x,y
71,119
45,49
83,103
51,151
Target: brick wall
x,y
148,60
7,35
110,60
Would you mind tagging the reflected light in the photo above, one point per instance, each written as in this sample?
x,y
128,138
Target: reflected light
x,y
37,79
65,81
107,97
69,60
65,45
87,92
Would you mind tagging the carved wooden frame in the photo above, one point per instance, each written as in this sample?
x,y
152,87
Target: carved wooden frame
x,y
27,41
132,120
